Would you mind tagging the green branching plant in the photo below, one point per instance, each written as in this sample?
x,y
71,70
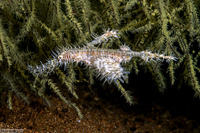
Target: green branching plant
x,y
153,30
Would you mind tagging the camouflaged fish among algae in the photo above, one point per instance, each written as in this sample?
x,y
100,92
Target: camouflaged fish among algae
x,y
107,63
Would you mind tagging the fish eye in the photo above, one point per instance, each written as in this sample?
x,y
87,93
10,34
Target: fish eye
x,y
60,57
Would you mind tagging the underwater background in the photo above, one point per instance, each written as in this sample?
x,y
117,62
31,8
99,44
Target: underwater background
x,y
138,52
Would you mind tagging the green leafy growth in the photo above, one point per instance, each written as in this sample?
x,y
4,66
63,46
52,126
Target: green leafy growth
x,y
72,18
68,80
193,79
157,76
124,93
130,4
57,91
193,17
171,72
